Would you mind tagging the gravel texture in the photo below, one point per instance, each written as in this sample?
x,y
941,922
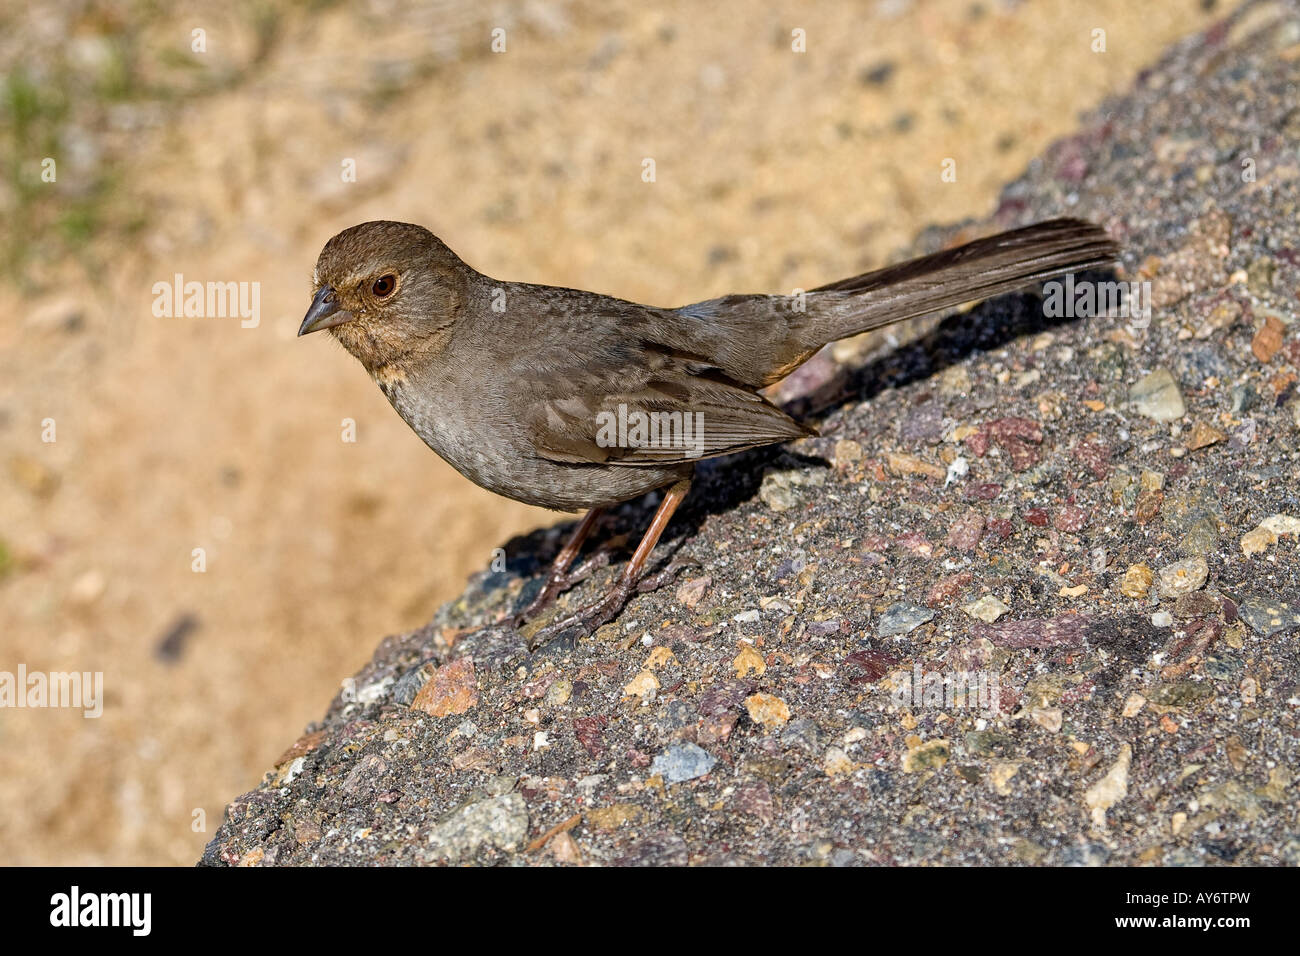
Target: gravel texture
x,y
1091,525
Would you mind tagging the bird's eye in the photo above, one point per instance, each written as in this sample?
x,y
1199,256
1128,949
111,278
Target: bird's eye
x,y
384,285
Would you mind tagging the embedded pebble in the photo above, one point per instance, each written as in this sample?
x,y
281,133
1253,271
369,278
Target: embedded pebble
x,y
1137,581
1183,576
501,822
682,762
902,618
1267,616
988,608
1157,397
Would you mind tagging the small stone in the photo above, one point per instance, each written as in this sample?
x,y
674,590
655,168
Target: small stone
x,y
954,381
1268,339
558,694
1244,398
1157,397
1196,604
1267,616
682,762
837,762
966,531
749,661
1037,517
901,464
1001,772
1133,706
778,490
767,710
959,468
1181,693
914,544
1249,690
658,657
1095,455
1266,533
1204,435
1016,436
1110,789
1070,518
1183,576
948,587
1147,506
452,689
1162,619
1201,538
1260,274
564,849
1049,718
987,609
1136,581
691,591
903,618
1237,753
868,666
1222,316
803,734
1257,541
613,816
642,685
925,755
501,822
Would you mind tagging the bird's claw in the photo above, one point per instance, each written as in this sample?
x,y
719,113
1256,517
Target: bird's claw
x,y
557,584
593,616
666,575
586,619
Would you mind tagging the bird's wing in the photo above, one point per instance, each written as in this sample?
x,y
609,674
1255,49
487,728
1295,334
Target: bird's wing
x,y
665,408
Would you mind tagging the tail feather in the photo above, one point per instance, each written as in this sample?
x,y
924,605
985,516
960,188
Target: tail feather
x,y
977,270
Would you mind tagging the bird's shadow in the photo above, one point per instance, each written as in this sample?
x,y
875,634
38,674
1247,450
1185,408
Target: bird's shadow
x,y
723,483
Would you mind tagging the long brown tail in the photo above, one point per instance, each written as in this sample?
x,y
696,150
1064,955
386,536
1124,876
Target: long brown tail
x,y
977,270
759,339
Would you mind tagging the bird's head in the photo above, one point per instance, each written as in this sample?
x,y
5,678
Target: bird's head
x,y
385,289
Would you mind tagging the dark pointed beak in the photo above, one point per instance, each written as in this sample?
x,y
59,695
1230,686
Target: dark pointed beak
x,y
324,313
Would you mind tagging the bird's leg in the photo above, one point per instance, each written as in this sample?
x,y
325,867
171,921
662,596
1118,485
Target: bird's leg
x,y
606,609
653,582
559,580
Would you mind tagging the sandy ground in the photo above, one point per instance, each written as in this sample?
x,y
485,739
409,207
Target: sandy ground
x,y
774,169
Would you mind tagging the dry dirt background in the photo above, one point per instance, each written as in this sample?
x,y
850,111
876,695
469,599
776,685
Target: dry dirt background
x,y
775,169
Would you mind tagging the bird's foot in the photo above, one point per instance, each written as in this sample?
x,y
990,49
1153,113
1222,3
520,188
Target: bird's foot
x,y
668,574
588,619
557,584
